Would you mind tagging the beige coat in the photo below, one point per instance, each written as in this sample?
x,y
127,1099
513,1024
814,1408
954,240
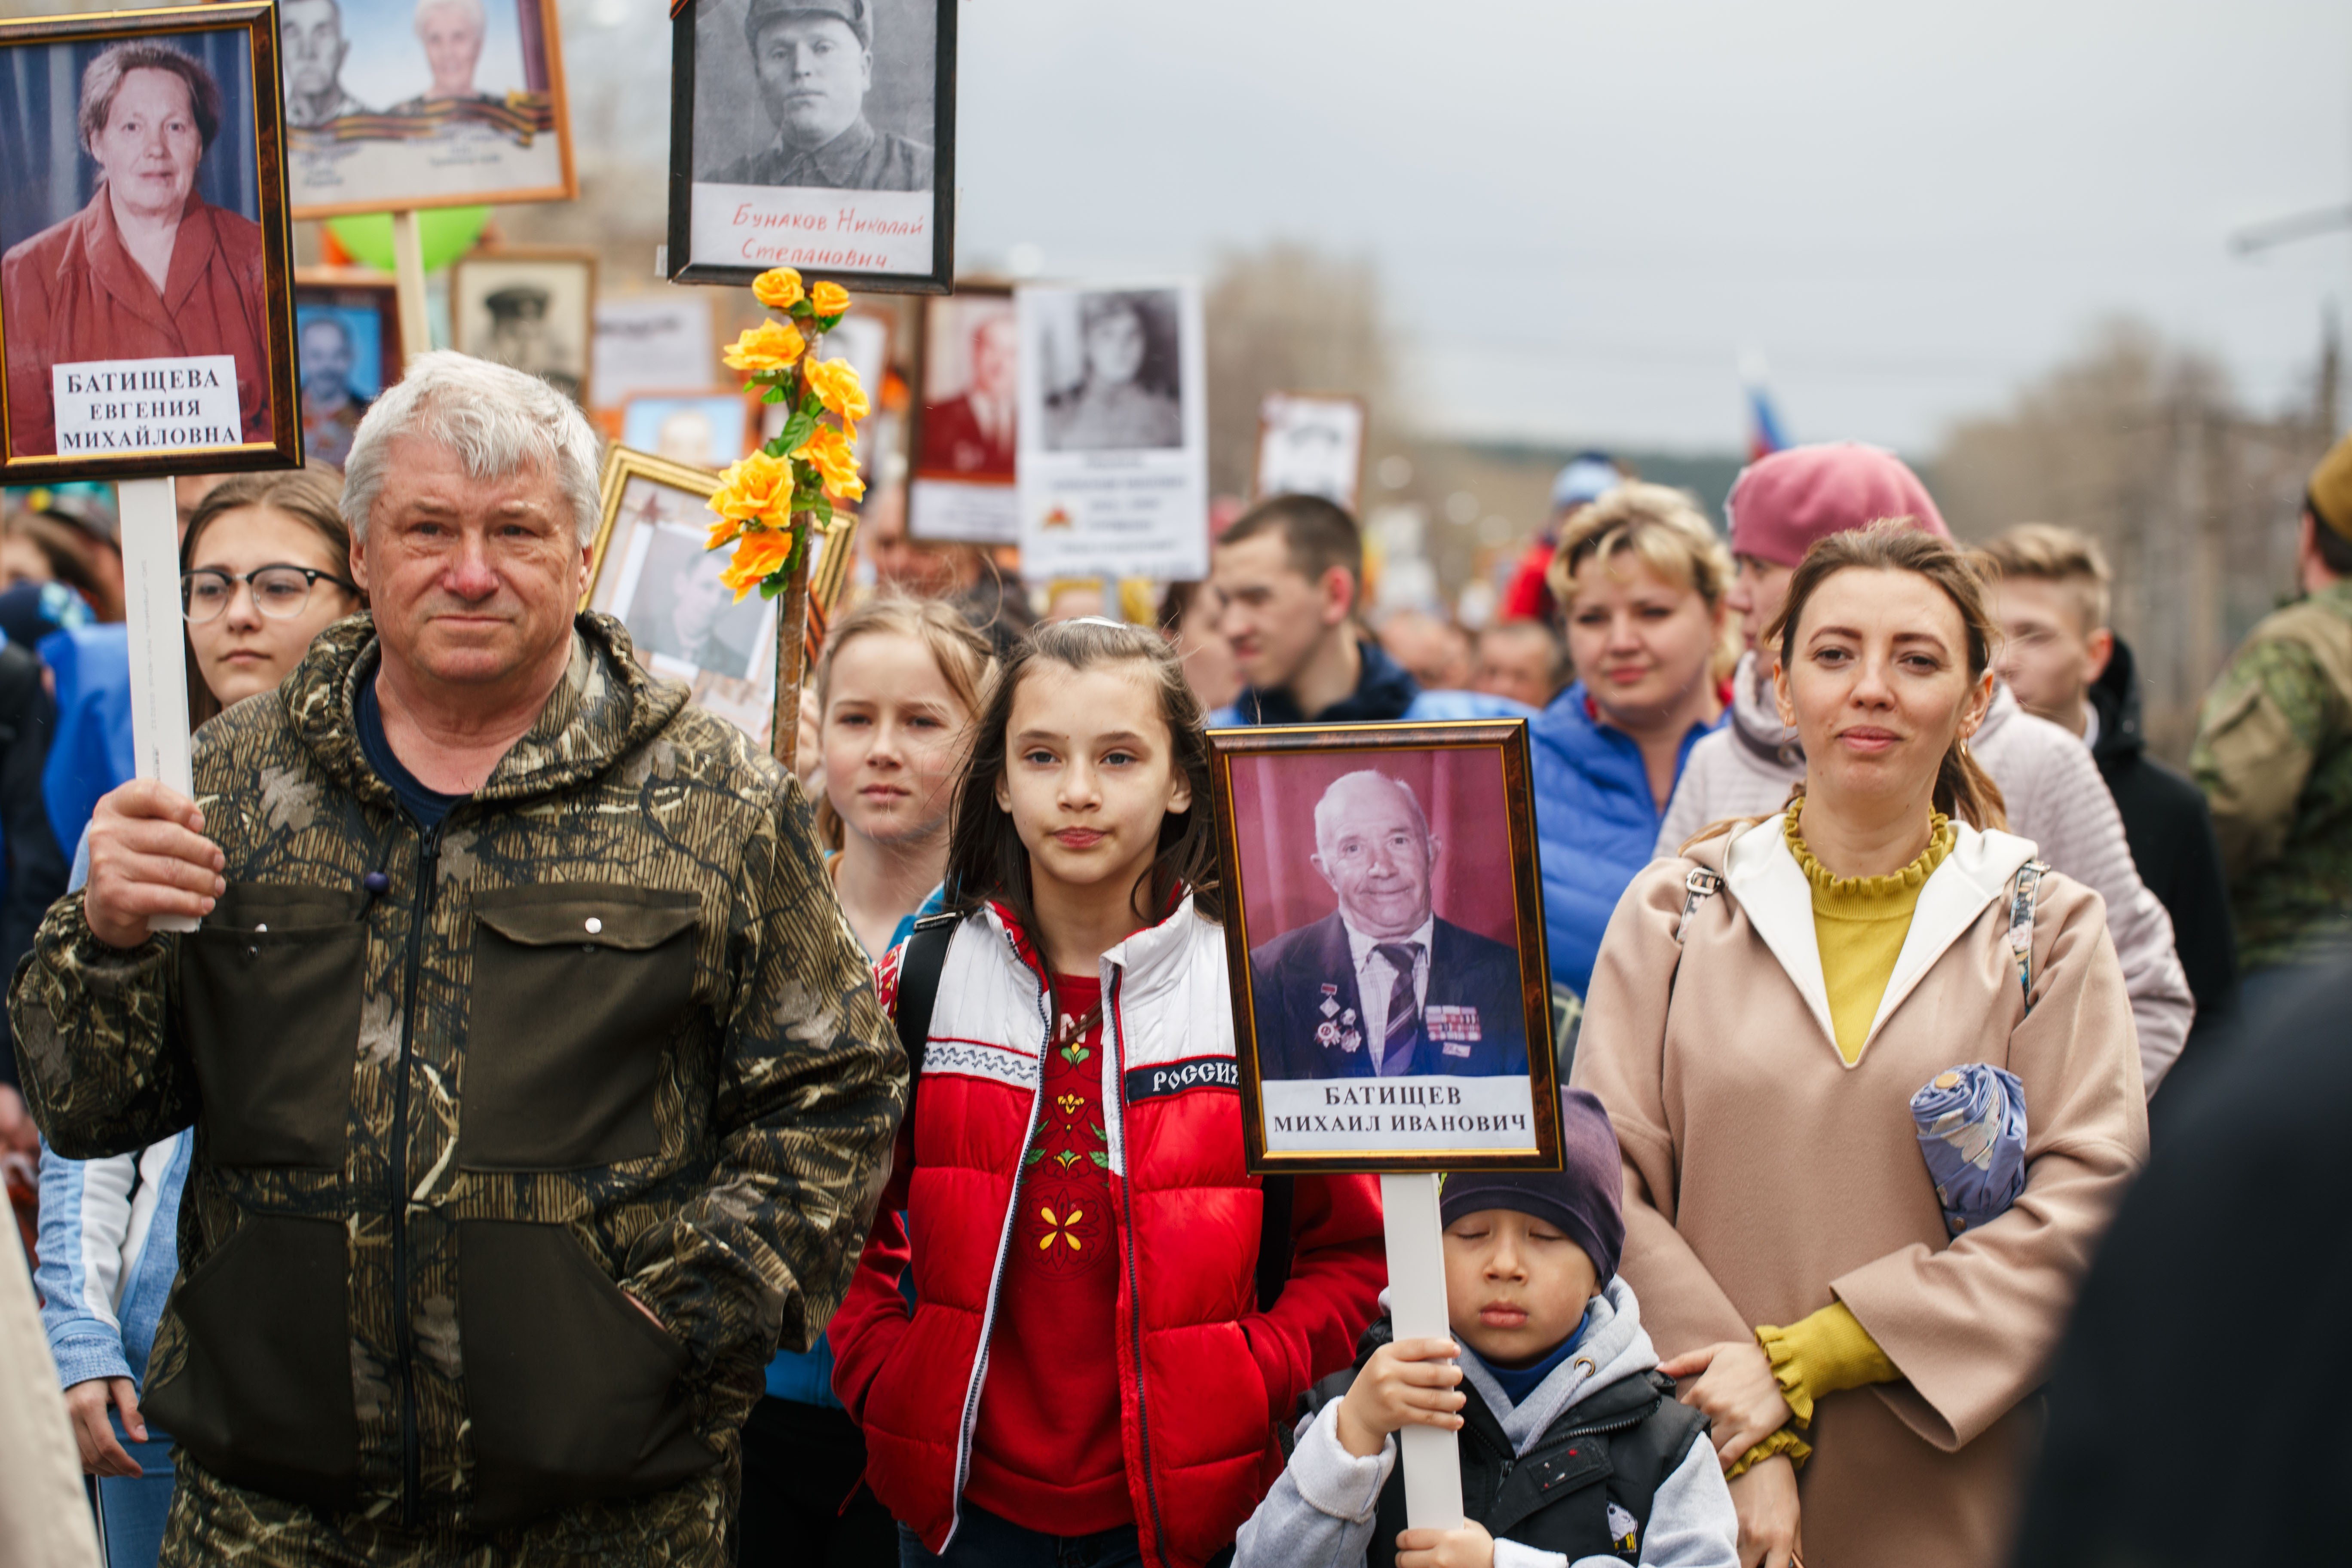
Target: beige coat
x,y
1764,1177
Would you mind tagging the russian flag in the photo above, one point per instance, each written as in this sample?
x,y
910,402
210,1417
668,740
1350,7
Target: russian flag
x,y
1764,434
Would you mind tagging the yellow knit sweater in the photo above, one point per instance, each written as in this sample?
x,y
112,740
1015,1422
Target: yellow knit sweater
x,y
1859,923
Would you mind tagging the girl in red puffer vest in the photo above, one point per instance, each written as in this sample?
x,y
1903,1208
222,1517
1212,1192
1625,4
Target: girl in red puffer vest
x,y
1087,1375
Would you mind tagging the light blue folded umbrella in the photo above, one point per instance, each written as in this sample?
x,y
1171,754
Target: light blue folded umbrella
x,y
1973,1131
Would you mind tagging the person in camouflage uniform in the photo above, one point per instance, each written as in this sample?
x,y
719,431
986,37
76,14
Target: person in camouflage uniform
x,y
2274,749
524,1132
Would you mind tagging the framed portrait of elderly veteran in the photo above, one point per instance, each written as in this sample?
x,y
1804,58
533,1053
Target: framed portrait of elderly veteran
x,y
146,279
817,134
1384,929
395,104
652,567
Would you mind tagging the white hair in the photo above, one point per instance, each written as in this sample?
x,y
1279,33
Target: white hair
x,y
471,10
1323,807
498,421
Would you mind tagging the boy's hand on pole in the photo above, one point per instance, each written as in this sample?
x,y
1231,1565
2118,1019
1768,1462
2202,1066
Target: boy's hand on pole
x,y
1469,1547
1406,1383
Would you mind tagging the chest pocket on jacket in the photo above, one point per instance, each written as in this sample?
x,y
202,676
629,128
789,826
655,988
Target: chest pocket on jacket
x,y
269,999
578,987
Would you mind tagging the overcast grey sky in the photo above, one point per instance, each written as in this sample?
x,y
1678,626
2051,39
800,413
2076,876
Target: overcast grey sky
x,y
1585,212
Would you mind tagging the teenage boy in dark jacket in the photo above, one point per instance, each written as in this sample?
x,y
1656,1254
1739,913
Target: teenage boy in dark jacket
x,y
1574,1447
2067,666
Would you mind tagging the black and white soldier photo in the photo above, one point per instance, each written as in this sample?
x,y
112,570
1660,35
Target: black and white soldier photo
x,y
816,133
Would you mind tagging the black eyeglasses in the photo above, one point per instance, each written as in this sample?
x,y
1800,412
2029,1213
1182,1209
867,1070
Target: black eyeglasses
x,y
278,591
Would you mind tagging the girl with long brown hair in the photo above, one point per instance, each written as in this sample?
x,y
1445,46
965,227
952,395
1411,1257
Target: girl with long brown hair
x,y
1088,1353
1764,1009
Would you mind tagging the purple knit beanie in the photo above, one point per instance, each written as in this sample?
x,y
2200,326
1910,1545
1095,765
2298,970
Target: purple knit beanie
x,y
1585,1199
1782,505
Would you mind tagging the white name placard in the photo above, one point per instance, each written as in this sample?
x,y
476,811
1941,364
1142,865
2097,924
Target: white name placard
x,y
810,227
1399,1115
146,405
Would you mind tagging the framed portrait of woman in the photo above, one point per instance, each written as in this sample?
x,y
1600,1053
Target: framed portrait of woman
x,y
1112,441
424,103
818,134
651,567
146,279
347,352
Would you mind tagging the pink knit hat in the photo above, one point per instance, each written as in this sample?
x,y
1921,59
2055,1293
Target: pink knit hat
x,y
1782,505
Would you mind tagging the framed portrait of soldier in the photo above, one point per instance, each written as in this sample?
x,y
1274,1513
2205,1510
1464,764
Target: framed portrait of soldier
x,y
1113,432
817,134
146,279
1384,929
423,103
965,446
346,352
652,568
530,307
1310,443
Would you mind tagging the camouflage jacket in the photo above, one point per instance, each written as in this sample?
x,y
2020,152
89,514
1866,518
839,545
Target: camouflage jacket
x,y
2274,758
604,1028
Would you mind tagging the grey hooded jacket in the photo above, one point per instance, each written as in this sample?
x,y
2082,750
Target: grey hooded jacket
x,y
1321,1512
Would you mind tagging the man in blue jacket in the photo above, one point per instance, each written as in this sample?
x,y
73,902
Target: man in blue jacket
x,y
1380,987
1290,573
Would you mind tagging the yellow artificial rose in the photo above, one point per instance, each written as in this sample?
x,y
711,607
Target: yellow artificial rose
x,y
759,557
828,449
828,299
779,288
724,533
757,490
836,384
770,345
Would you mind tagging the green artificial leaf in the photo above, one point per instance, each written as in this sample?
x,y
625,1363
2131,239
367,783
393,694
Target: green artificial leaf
x,y
796,429
773,394
829,322
771,587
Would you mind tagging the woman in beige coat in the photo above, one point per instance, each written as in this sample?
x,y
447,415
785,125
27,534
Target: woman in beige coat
x,y
1761,1013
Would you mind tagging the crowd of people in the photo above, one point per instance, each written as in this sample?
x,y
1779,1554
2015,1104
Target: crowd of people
x,y
559,1142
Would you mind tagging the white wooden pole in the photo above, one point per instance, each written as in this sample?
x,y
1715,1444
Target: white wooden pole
x,y
159,661
1432,1460
408,269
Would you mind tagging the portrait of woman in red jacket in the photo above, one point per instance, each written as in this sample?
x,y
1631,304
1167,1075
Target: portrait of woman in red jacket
x,y
147,268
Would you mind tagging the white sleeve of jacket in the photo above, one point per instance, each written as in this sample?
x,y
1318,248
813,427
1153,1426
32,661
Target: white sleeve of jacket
x,y
2073,823
1320,1513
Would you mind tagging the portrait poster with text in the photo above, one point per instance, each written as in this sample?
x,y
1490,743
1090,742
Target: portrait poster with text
x,y
1113,431
146,276
815,134
1384,934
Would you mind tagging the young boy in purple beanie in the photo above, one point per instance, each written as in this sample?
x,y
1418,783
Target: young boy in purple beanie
x,y
1574,1452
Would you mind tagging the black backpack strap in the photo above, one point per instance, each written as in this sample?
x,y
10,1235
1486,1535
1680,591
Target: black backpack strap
x,y
1280,1194
919,968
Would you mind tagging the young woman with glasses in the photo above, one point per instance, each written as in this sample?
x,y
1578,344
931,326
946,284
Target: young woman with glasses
x,y
264,569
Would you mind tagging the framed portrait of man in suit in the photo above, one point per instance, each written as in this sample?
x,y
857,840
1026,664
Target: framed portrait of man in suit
x,y
1385,935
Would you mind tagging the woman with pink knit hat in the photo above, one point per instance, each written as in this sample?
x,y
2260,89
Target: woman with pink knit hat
x,y
1779,508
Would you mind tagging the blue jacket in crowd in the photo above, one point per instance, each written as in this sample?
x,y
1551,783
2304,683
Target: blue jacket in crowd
x,y
1596,826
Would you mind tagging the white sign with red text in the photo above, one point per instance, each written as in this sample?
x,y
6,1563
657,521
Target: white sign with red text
x,y
812,229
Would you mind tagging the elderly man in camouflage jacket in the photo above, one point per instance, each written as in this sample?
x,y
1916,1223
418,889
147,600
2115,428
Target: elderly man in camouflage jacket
x,y
2274,754
538,1087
